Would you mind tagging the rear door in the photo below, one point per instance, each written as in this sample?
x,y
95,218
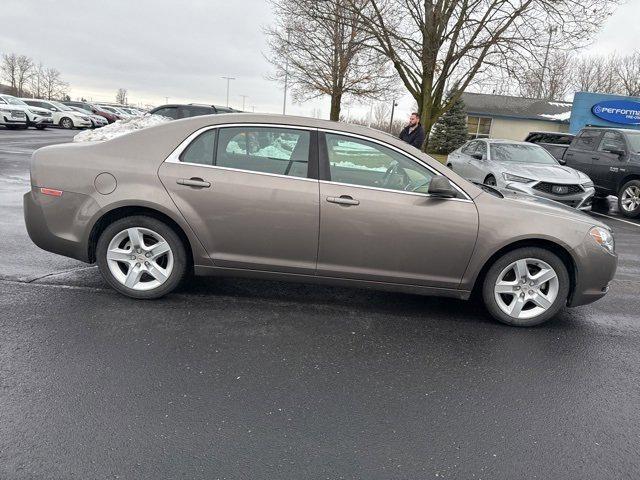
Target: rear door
x,y
582,152
606,166
465,158
476,167
254,202
377,222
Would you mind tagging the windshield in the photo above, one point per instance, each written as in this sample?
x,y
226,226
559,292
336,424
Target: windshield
x,y
15,101
520,153
61,106
634,141
81,110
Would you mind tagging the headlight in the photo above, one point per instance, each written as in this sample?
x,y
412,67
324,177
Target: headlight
x,y
86,119
603,237
6,110
587,185
515,178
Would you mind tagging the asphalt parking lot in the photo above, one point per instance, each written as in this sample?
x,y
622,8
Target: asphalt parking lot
x,y
243,379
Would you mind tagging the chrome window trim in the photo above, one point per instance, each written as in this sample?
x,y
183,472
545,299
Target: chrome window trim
x,y
174,157
389,190
401,152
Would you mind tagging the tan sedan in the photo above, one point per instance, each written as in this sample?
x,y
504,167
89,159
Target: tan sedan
x,y
308,200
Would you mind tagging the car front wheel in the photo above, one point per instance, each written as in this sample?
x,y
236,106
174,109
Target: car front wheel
x,y
526,287
141,257
66,123
629,199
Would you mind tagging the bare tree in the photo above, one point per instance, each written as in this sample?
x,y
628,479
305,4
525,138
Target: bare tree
x,y
9,70
36,82
596,74
551,81
52,84
121,96
629,74
444,45
24,71
319,48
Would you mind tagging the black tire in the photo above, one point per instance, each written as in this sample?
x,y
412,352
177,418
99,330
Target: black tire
x,y
180,261
40,127
66,123
600,194
490,180
503,262
449,166
634,213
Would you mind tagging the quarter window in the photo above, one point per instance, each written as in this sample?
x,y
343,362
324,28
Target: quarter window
x,y
281,151
170,112
368,164
201,150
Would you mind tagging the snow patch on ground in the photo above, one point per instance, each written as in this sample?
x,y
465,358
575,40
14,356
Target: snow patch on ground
x,y
557,116
119,128
559,104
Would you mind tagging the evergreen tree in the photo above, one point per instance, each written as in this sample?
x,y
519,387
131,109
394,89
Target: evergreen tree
x,y
450,131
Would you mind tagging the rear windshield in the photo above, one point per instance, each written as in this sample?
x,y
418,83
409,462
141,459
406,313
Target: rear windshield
x,y
520,153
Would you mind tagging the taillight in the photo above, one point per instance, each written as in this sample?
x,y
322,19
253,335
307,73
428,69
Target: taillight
x,y
51,191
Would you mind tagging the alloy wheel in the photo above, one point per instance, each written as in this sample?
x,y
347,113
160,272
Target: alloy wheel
x,y
140,258
526,288
630,200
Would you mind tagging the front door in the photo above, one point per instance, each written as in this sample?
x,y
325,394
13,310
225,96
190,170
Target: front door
x,y
247,194
581,154
377,222
606,169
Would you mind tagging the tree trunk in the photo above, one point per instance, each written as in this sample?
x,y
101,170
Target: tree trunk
x,y
427,119
336,99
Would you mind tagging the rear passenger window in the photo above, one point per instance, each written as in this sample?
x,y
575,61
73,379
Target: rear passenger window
x,y
201,150
170,112
587,140
281,151
612,141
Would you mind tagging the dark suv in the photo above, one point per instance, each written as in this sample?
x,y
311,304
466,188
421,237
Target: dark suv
x,y
611,157
554,142
176,111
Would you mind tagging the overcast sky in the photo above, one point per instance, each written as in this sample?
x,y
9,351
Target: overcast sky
x,y
180,49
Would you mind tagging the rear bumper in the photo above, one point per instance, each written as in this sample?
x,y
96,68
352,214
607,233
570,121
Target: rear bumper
x,y
59,224
13,121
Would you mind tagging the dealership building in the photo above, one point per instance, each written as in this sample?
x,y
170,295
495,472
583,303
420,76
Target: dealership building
x,y
502,116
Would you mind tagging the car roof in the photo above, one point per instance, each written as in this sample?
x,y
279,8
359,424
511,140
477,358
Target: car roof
x,y
504,141
553,133
617,129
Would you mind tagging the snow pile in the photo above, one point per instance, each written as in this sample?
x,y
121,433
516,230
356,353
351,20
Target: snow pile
x,y
558,116
120,127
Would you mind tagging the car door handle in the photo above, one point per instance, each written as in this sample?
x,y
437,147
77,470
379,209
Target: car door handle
x,y
193,182
343,200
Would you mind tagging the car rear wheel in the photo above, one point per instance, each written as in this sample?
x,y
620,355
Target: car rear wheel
x,y
526,287
490,180
629,199
141,257
66,123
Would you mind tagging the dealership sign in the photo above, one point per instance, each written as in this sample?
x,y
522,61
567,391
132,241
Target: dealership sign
x,y
618,111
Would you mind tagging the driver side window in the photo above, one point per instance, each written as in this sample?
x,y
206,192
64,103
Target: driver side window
x,y
359,162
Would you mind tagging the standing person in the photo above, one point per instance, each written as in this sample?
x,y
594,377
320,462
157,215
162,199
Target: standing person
x,y
413,133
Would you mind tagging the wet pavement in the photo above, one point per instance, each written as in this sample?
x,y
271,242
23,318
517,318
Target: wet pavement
x,y
254,379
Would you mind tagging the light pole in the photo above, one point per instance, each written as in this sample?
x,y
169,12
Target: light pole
x,y
286,75
244,98
552,29
228,79
394,104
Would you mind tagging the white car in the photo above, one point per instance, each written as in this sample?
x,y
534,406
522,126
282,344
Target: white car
x,y
97,121
63,116
36,117
12,117
524,168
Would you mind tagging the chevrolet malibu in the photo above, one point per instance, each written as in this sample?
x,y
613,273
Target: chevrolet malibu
x,y
308,200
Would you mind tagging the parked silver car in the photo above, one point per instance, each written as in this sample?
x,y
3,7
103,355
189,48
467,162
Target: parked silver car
x,y
522,167
308,200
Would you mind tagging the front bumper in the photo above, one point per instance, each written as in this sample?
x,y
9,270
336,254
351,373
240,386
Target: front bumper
x,y
38,121
595,268
580,201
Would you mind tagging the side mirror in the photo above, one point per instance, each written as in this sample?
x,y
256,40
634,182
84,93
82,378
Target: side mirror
x,y
477,156
561,161
440,186
53,109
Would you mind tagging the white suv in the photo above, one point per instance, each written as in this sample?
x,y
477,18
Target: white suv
x,y
40,118
12,117
63,116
